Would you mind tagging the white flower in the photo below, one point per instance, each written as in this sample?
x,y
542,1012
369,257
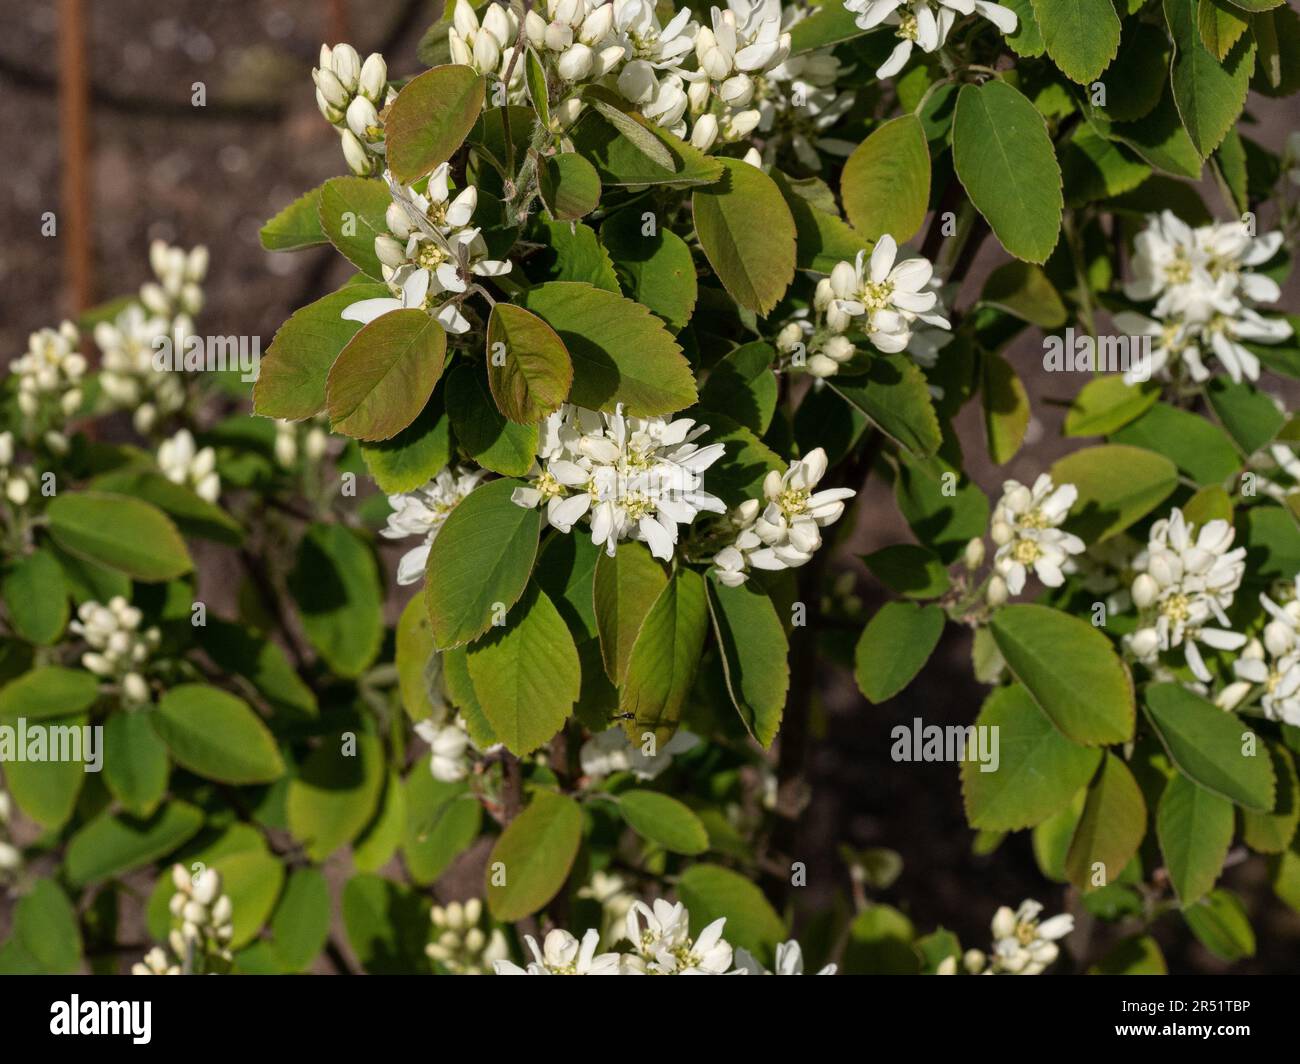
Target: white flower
x,y
925,23
182,462
577,35
663,943
611,751
1026,528
744,39
632,478
422,513
562,954
790,524
52,368
1279,673
789,961
448,749
482,46
1186,581
1022,945
891,297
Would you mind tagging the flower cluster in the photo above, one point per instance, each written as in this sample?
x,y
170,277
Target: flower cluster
x,y
183,462
783,530
630,477
119,650
487,46
1205,293
460,945
924,24
165,309
431,255
1026,530
449,747
612,751
1273,663
1022,944
202,928
423,512
350,95
50,375
1186,581
889,297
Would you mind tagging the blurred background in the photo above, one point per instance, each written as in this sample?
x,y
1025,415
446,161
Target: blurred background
x,y
98,125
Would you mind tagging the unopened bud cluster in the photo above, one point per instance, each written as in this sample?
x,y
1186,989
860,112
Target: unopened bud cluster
x,y
350,94
119,650
15,481
50,378
460,945
183,462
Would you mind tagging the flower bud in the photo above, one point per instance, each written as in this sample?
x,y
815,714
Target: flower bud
x,y
18,491
996,594
487,53
737,90
637,82
974,554
704,133
1001,533
363,119
576,63
1145,590
821,366
840,348
1144,643
329,86
356,155
1279,638
374,76
347,66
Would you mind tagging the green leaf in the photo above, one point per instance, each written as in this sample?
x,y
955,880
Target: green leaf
x,y
534,854
528,365
826,24
377,843
1198,447
881,943
1118,485
336,585
755,653
335,792
1111,829
301,922
1038,771
1220,922
217,735
572,253
566,571
570,186
655,269
894,647
479,563
1273,832
416,454
909,570
1006,408
1081,36
49,691
193,515
743,386
1023,291
710,891
1209,94
414,654
1220,25
430,119
1006,163
352,213
624,588
526,673
292,376
621,353
747,234
823,239
387,924
442,820
252,879
487,436
943,520
885,185
135,762
1106,404
1211,747
119,532
664,820
47,787
1249,415
894,395
1094,168
44,937
1027,40
110,845
36,597
385,375
263,664
619,160
1195,830
295,227
1087,693
1160,139
1139,73
664,657
1136,955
